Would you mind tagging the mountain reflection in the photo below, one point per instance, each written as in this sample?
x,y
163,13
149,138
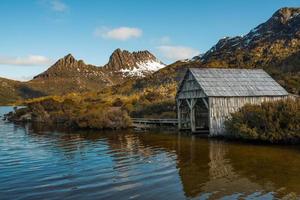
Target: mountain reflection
x,y
206,168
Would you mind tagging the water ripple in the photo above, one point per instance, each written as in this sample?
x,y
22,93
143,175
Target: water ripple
x,y
37,164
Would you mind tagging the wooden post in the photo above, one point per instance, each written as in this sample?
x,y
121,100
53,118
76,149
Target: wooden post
x,y
179,113
193,121
192,104
205,103
209,114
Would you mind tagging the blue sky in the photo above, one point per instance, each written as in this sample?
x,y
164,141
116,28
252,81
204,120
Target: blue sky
x,y
35,33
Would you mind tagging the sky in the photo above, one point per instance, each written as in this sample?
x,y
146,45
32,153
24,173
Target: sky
x,y
35,33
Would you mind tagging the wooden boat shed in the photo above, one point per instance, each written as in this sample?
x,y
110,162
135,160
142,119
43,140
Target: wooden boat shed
x,y
206,96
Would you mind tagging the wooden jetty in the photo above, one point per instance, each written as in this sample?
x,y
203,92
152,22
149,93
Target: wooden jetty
x,y
172,122
147,123
144,123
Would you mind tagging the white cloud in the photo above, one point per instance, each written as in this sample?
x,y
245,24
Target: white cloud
x,y
165,40
25,61
177,52
58,6
121,33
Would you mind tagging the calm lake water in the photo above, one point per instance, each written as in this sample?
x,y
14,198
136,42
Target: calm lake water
x,y
36,163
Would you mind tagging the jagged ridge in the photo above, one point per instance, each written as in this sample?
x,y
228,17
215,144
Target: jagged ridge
x,y
138,63
265,45
130,64
68,66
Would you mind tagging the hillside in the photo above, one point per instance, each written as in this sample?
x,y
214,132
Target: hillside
x,y
8,92
12,91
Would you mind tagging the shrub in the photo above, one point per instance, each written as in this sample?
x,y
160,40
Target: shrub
x,y
107,118
118,102
156,109
273,122
75,113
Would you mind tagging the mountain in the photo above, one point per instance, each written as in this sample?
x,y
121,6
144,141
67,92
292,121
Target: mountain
x,y
266,45
122,62
69,67
273,45
71,75
135,64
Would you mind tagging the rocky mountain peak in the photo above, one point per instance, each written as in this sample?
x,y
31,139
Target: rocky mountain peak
x,y
119,59
67,60
123,59
69,66
69,57
133,64
283,20
264,45
122,64
285,14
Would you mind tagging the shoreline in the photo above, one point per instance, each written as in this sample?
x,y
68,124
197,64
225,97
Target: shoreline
x,y
59,127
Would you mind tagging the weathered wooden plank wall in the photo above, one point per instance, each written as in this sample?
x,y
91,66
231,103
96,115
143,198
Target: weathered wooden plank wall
x,y
190,88
220,109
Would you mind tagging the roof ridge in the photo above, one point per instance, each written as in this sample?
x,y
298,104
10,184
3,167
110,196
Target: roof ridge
x,y
217,68
237,82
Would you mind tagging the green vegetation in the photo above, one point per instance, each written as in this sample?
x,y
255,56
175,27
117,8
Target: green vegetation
x,y
73,111
103,110
275,122
12,92
290,80
8,91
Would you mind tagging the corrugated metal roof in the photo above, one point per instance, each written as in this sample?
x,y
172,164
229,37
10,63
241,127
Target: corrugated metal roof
x,y
237,82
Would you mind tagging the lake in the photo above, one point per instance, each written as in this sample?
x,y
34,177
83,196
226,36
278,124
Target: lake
x,y
43,163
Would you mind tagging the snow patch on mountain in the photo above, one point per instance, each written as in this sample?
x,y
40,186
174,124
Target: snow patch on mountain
x,y
143,68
